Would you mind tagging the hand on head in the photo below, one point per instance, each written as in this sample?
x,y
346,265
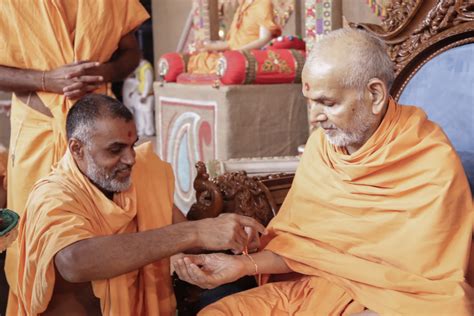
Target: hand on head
x,y
228,231
73,80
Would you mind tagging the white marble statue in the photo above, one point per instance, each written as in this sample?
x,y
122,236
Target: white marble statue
x,y
137,94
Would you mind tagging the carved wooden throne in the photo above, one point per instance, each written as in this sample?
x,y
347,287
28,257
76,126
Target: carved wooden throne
x,y
431,43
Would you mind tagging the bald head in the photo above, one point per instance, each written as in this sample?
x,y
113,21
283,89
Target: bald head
x,y
354,56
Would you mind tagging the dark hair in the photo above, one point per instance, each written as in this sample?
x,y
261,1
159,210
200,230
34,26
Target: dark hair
x,y
82,116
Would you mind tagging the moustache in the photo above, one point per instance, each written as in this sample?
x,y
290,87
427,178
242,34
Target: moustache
x,y
126,168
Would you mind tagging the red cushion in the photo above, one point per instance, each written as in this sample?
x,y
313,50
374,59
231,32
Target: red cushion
x,y
262,66
287,42
170,65
204,79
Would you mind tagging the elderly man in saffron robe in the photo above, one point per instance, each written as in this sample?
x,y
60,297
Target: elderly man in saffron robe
x,y
379,216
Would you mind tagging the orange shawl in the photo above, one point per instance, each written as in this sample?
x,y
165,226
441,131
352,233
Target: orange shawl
x,y
391,223
66,207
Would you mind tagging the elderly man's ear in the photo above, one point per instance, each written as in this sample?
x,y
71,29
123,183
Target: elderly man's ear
x,y
378,95
76,147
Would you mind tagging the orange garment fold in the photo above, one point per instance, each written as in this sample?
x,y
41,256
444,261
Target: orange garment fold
x,y
44,35
65,207
288,298
245,28
390,224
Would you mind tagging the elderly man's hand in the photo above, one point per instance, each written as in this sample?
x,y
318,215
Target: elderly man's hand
x,y
229,231
210,271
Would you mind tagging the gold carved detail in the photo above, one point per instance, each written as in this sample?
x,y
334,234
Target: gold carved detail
x,y
444,15
275,63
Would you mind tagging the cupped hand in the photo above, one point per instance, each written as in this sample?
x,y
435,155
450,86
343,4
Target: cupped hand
x,y
211,270
227,231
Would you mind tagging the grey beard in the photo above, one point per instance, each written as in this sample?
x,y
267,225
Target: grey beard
x,y
363,121
102,180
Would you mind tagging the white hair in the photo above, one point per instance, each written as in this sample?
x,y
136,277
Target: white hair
x,y
83,133
366,57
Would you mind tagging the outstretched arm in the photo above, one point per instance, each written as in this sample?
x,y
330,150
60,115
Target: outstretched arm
x,y
210,271
264,37
110,256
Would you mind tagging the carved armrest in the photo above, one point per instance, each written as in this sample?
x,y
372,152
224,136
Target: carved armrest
x,y
258,197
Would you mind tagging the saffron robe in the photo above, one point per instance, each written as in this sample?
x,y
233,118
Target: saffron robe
x,y
65,207
387,228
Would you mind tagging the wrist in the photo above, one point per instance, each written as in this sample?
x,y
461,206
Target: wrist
x,y
249,265
199,228
195,231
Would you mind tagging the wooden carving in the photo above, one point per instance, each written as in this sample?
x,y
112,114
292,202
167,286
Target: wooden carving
x,y
236,192
446,14
209,202
415,31
399,12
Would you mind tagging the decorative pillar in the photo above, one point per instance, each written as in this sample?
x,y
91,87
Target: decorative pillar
x,y
322,16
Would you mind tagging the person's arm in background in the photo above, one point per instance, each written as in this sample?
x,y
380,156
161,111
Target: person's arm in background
x,y
56,80
75,79
213,46
264,37
124,60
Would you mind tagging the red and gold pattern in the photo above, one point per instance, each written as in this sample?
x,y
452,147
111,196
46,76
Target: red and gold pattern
x,y
262,66
274,63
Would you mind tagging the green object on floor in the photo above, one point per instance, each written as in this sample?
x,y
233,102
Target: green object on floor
x,y
8,221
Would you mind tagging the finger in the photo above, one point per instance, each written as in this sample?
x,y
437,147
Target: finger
x,y
239,243
91,79
197,260
199,277
195,275
248,221
76,94
91,87
182,271
75,86
77,62
80,69
254,239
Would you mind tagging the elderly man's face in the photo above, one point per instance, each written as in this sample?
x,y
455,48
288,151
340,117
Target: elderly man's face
x,y
342,112
109,155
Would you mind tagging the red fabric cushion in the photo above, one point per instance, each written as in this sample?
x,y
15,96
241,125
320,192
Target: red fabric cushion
x,y
263,66
188,78
174,63
287,42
